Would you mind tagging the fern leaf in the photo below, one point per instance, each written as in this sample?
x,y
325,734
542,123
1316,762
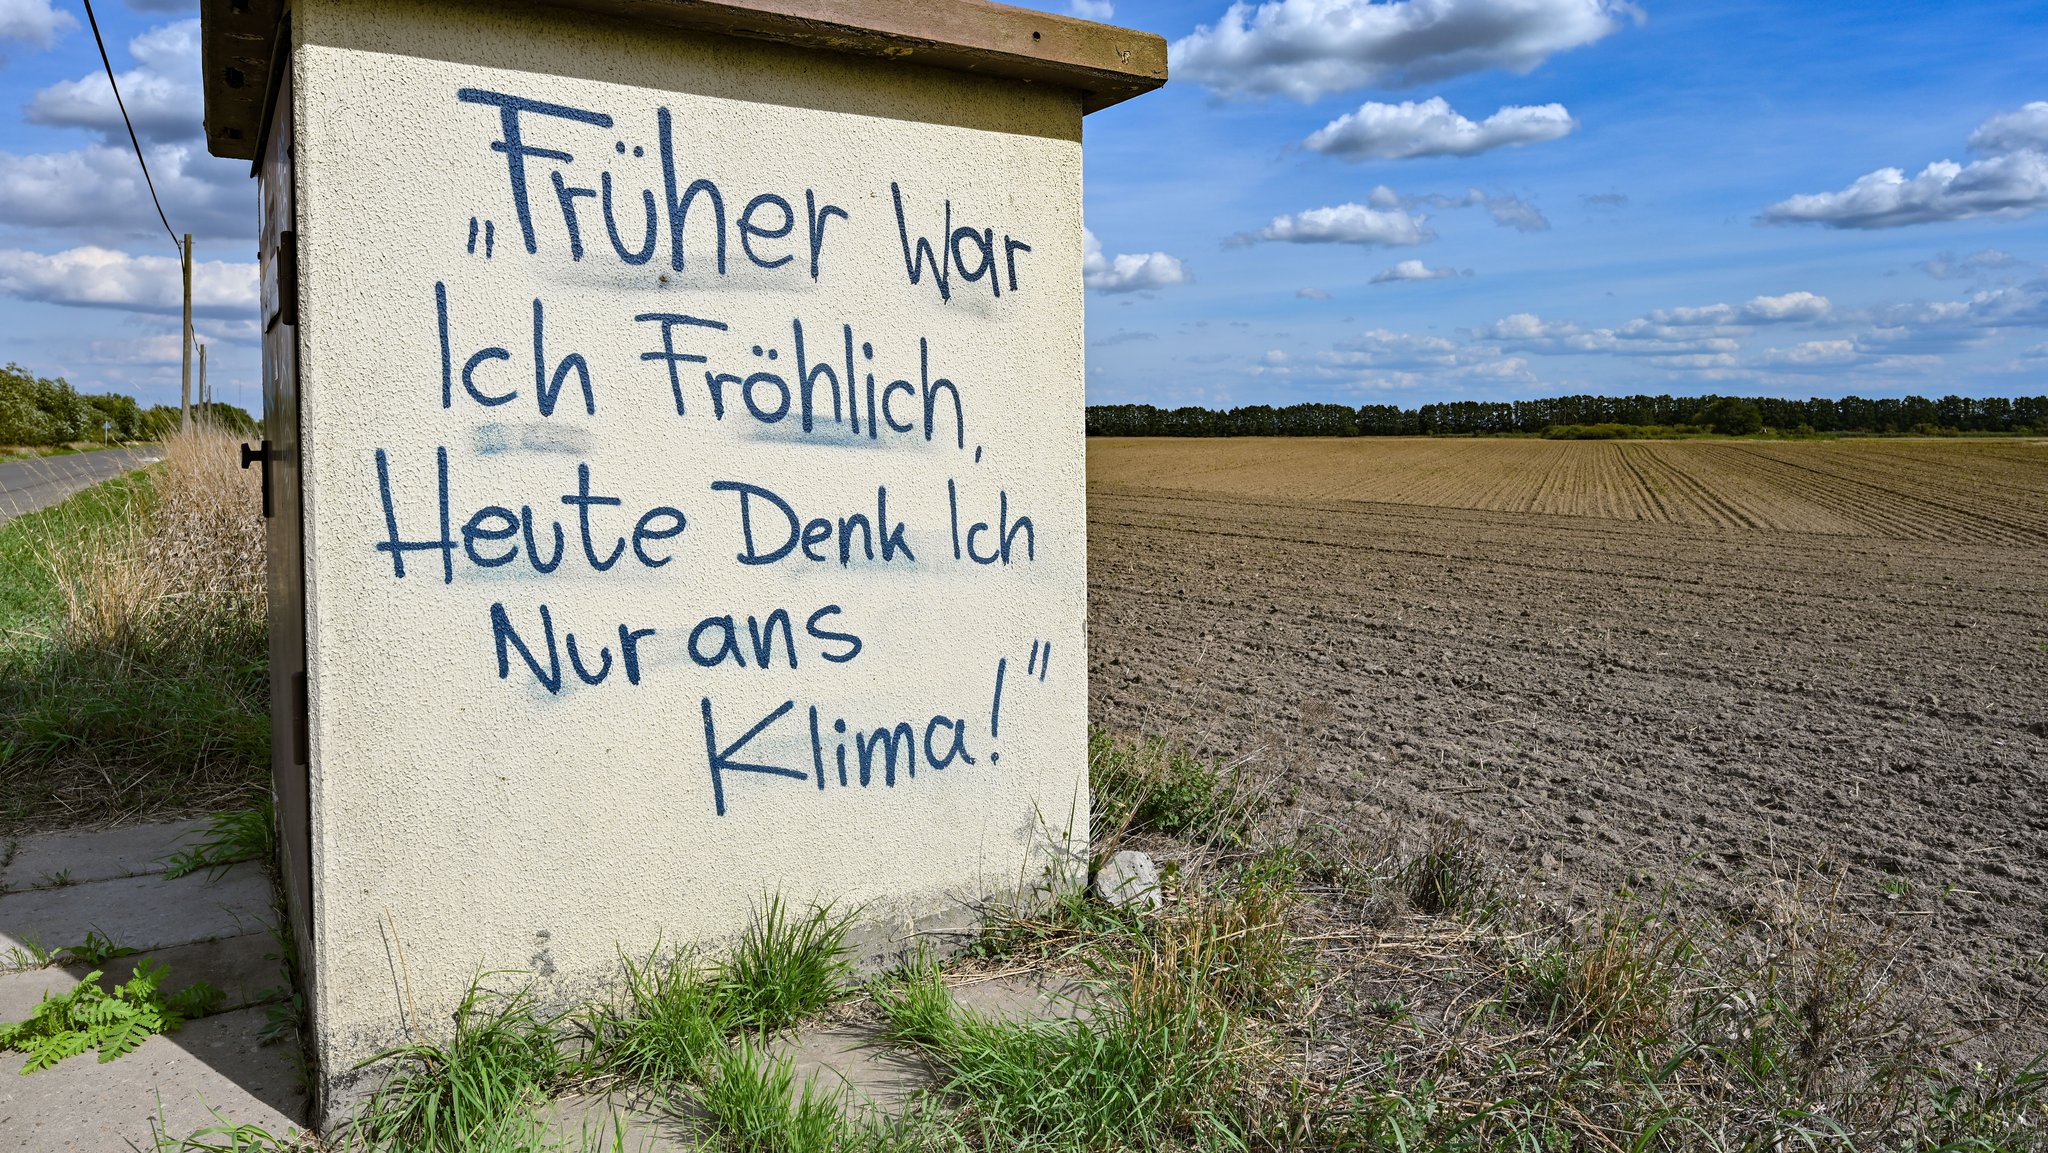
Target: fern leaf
x,y
120,1039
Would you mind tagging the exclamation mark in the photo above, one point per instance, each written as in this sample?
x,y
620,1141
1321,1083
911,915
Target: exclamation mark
x,y
995,711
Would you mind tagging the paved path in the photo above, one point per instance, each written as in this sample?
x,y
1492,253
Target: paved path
x,y
28,485
204,926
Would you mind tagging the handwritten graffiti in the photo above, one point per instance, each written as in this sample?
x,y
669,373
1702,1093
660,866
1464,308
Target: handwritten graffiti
x,y
789,571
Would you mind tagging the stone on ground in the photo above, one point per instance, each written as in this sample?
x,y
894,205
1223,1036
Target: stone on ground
x,y
1129,880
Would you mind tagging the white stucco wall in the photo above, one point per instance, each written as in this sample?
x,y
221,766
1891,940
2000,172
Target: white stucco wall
x,y
486,822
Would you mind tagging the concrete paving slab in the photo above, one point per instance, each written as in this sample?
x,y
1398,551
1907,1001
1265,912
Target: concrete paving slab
x,y
616,1123
1024,996
142,912
242,968
855,1059
42,861
211,1072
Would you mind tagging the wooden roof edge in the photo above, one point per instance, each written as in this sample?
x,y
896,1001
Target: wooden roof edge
x,y
1105,64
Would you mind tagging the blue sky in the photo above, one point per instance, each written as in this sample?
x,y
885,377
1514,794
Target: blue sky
x,y
1362,203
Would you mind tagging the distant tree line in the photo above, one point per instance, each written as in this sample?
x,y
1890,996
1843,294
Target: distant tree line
x,y
37,411
1574,415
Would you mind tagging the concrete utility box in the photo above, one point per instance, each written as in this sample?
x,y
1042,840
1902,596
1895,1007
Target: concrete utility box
x,y
676,470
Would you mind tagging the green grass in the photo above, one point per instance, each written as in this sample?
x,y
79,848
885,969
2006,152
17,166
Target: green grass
x,y
230,838
132,685
1450,875
757,1105
692,1034
1159,1061
476,1090
30,601
1294,993
665,1025
787,966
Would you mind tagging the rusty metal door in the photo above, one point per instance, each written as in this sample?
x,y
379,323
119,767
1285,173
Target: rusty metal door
x,y
277,249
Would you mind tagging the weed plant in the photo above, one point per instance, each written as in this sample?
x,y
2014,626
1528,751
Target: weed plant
x,y
757,1105
109,1022
1153,785
666,1024
1291,995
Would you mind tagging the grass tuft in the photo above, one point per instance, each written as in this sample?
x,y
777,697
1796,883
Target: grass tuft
x,y
230,838
665,1025
758,1105
1450,875
477,1089
786,967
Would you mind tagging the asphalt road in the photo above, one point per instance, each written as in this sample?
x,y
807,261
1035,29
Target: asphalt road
x,y
27,485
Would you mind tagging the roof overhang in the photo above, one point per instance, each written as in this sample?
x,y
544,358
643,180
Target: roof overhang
x,y
1105,64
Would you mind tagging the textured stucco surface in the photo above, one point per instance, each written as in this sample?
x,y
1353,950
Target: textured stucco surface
x,y
467,822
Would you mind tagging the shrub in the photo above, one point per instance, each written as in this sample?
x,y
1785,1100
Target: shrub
x,y
1732,417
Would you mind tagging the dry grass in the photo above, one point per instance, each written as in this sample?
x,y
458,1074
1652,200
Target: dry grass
x,y
141,689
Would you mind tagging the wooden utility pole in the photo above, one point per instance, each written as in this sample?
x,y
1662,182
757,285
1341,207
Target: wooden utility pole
x,y
185,396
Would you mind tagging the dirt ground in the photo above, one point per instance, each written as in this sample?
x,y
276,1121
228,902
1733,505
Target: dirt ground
x,y
1853,713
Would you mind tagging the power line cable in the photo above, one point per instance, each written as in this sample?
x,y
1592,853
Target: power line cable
x,y
118,103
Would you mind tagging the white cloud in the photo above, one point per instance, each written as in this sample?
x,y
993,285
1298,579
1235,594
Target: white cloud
x,y
1696,361
1812,354
105,278
2024,130
97,193
1693,316
1507,209
1516,213
1349,224
1791,306
1433,128
1129,271
1636,338
1312,294
1413,270
1949,266
1098,10
1307,49
2012,181
162,92
34,22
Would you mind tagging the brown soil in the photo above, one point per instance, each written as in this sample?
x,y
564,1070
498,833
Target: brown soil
x,y
1627,697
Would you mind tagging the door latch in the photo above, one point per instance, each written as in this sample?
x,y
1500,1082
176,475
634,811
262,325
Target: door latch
x,y
261,456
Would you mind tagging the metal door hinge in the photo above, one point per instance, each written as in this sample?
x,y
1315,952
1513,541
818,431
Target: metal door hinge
x,y
263,456
288,278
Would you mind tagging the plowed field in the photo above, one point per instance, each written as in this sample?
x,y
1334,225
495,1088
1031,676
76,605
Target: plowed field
x,y
1740,668
1980,492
